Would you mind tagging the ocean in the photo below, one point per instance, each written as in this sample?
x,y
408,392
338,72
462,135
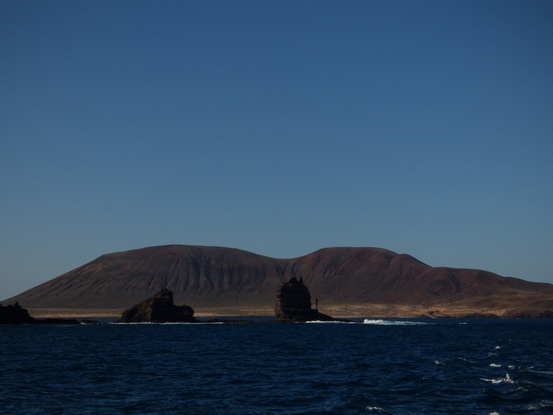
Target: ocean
x,y
442,366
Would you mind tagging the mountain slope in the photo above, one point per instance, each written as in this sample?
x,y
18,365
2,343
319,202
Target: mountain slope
x,y
206,275
354,281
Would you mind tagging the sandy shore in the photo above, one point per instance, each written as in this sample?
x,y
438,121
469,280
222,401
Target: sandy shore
x,y
74,313
337,311
115,313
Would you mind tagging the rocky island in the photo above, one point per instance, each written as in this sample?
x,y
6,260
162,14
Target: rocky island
x,y
15,314
158,309
293,303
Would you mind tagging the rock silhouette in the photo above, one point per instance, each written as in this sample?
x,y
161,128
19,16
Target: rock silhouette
x,y
293,303
14,314
158,309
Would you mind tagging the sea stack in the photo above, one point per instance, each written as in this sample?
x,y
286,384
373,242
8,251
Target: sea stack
x,y
158,309
293,303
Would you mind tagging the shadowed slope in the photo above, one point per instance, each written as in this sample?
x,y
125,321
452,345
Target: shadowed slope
x,y
211,277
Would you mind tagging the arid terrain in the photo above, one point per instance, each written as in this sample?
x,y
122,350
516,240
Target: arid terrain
x,y
347,282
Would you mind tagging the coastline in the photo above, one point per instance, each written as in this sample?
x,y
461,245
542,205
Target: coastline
x,y
337,310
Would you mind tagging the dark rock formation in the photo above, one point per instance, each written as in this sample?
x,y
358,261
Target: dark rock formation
x,y
14,314
158,309
293,303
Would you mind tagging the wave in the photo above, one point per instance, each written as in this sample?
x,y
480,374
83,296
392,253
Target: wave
x,y
377,322
544,404
506,379
380,322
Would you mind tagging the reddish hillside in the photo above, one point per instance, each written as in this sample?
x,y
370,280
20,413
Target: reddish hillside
x,y
378,276
354,281
197,275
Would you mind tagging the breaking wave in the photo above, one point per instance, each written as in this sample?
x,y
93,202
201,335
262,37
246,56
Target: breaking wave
x,y
375,322
381,322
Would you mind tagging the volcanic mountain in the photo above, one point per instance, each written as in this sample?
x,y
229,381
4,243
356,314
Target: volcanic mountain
x,y
370,282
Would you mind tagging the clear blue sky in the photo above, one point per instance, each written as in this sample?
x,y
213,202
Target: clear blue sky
x,y
278,127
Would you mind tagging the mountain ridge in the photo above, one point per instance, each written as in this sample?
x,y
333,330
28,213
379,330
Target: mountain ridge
x,y
357,280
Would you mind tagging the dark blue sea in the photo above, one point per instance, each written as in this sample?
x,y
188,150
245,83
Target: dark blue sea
x,y
447,366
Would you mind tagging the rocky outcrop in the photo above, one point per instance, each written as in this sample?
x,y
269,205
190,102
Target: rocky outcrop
x,y
293,303
158,309
14,314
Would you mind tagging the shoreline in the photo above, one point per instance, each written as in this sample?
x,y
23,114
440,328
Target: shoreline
x,y
337,311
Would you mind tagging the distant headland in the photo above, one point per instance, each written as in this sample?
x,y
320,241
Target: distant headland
x,y
347,282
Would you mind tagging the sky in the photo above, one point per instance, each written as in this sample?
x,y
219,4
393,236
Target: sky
x,y
277,127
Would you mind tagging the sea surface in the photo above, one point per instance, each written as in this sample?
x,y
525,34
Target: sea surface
x,y
442,366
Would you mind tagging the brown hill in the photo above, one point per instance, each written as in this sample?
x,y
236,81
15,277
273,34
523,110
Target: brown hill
x,y
369,282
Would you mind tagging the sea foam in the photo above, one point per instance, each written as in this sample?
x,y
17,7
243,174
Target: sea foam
x,y
380,322
506,379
